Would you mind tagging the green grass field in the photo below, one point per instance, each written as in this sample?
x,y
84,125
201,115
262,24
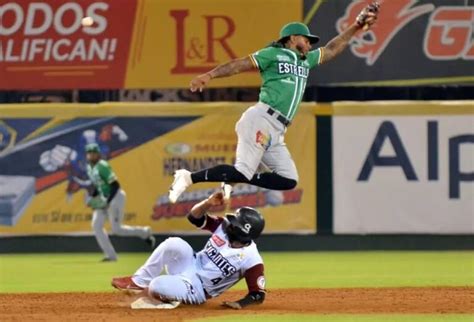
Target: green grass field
x,y
84,272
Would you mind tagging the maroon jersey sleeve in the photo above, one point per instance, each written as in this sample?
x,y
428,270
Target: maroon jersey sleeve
x,y
255,278
211,223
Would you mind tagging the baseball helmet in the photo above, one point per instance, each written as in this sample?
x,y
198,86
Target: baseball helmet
x,y
297,29
244,226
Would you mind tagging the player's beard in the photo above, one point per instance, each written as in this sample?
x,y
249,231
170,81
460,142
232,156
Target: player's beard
x,y
300,49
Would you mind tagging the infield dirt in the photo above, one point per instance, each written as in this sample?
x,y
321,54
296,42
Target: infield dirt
x,y
114,306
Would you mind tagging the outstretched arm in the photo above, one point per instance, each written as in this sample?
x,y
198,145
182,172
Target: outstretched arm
x,y
364,20
338,43
230,68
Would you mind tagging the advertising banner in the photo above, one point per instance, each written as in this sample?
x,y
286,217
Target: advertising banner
x,y
43,44
176,40
413,42
402,173
132,43
43,184
150,44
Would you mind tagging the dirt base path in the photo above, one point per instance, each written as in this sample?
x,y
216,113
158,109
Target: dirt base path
x,y
115,306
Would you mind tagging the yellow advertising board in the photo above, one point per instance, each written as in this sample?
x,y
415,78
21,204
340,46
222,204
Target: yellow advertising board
x,y
175,40
42,159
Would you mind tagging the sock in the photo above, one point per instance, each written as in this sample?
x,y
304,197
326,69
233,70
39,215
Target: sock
x,y
219,173
229,174
273,181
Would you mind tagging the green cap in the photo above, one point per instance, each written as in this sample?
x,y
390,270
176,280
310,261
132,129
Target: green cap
x,y
297,28
93,147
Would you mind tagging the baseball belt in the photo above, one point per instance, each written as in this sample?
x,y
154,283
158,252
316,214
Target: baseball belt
x,y
283,120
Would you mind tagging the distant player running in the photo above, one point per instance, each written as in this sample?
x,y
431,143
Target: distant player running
x,y
108,201
284,67
229,256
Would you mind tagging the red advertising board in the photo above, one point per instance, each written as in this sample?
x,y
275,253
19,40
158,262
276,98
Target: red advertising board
x,y
45,45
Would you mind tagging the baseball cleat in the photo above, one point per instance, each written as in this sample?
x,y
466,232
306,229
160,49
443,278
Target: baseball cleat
x,y
126,284
148,303
182,180
226,190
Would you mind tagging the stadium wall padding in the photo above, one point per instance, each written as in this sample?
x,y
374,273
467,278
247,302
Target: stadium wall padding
x,y
399,167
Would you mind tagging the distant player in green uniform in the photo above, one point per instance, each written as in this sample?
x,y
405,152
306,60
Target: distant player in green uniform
x,y
108,200
284,67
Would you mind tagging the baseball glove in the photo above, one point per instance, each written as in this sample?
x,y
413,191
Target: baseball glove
x,y
98,202
368,15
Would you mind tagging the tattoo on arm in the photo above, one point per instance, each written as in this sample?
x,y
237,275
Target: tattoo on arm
x,y
338,44
233,67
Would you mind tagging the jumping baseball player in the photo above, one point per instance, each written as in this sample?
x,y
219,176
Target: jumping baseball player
x,y
284,67
229,255
108,200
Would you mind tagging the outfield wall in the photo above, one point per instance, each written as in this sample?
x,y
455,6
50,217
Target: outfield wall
x,y
365,168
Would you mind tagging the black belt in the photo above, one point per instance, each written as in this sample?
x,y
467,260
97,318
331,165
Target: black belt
x,y
283,120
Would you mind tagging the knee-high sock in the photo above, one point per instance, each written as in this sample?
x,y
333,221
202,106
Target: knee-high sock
x,y
229,174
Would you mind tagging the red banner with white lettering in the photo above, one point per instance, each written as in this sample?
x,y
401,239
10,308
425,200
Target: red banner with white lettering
x,y
44,44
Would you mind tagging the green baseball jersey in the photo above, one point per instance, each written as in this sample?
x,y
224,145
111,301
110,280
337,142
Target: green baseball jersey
x,y
284,76
101,175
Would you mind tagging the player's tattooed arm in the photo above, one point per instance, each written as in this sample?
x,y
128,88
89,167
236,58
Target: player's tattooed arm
x,y
364,20
230,68
338,44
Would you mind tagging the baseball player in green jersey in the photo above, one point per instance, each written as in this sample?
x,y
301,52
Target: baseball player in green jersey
x,y
108,200
284,67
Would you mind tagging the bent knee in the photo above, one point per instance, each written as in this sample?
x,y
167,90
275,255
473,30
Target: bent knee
x,y
156,289
291,184
163,287
246,170
174,244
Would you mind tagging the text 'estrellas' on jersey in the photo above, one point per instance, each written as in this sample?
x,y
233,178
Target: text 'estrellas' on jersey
x,y
284,73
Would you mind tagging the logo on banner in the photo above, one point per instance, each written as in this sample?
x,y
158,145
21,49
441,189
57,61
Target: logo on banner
x,y
178,148
7,136
393,17
387,131
447,36
198,54
242,195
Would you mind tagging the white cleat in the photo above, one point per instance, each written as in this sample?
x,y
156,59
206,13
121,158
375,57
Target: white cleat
x,y
226,190
148,303
182,180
